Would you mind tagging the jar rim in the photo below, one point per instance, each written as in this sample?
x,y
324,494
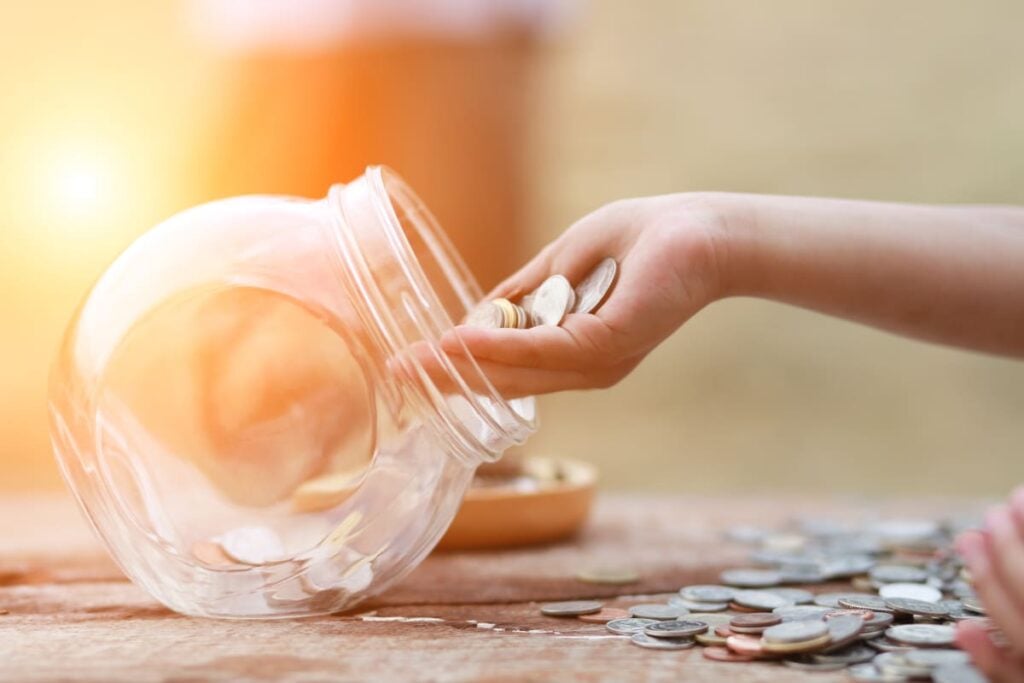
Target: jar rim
x,y
513,421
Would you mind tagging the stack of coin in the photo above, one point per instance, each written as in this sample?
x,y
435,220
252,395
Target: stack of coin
x,y
549,303
893,621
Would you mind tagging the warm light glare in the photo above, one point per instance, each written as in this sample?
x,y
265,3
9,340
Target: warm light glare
x,y
79,184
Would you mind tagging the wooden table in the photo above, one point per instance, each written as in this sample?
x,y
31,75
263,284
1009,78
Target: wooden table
x,y
459,617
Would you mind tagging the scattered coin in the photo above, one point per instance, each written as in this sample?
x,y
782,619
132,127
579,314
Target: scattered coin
x,y
913,591
843,631
800,612
807,663
571,608
936,658
922,635
754,623
657,611
797,596
629,626
695,606
871,602
895,573
604,616
707,593
932,610
723,654
869,673
973,604
814,645
751,578
750,646
795,632
957,673
764,601
591,292
851,654
644,640
832,599
675,629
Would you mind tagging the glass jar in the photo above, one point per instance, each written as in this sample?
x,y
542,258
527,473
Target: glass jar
x,y
243,410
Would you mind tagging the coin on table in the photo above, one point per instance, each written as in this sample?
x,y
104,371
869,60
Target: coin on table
x,y
604,616
871,602
552,300
795,631
957,673
913,591
869,673
713,620
851,654
609,575
629,626
657,611
745,645
973,604
843,630
644,640
724,654
252,545
922,635
917,608
897,573
895,663
802,612
937,657
798,596
676,629
750,578
592,291
755,622
807,663
707,593
832,599
806,646
763,601
571,608
695,606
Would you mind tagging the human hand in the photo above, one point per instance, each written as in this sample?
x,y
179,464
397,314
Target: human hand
x,y
995,558
666,251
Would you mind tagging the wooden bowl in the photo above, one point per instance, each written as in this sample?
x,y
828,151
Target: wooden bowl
x,y
548,502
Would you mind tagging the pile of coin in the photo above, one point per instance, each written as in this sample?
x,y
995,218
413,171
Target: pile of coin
x,y
893,620
549,303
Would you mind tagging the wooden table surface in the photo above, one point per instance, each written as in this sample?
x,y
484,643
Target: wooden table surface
x,y
459,617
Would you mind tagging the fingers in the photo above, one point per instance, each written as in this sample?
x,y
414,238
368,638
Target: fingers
x,y
1007,555
997,664
978,553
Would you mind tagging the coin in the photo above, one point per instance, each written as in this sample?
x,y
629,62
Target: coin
x,y
657,611
754,623
707,593
801,612
815,645
922,635
935,658
628,626
486,315
745,645
851,654
604,616
252,545
764,601
973,604
871,602
843,630
750,578
644,640
795,631
590,293
832,599
797,596
609,575
913,591
807,663
675,629
724,654
712,620
552,300
570,608
869,673
916,607
895,573
957,673
677,601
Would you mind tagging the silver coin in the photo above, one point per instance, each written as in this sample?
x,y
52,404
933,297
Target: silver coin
x,y
571,608
802,612
973,604
750,578
712,620
552,300
846,567
693,606
894,663
931,610
938,657
657,611
644,640
797,596
795,631
956,609
957,673
707,593
869,673
595,287
763,601
832,599
628,626
486,315
851,654
252,545
843,630
912,591
879,621
871,602
807,663
676,629
898,573
922,635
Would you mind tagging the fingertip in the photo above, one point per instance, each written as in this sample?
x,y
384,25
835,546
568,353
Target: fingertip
x,y
973,638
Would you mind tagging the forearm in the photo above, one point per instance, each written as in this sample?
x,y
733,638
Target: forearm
x,y
953,275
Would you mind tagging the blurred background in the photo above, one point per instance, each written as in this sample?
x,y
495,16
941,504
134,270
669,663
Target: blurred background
x,y
512,119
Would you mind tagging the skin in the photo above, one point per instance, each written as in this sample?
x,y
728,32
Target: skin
x,y
946,274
